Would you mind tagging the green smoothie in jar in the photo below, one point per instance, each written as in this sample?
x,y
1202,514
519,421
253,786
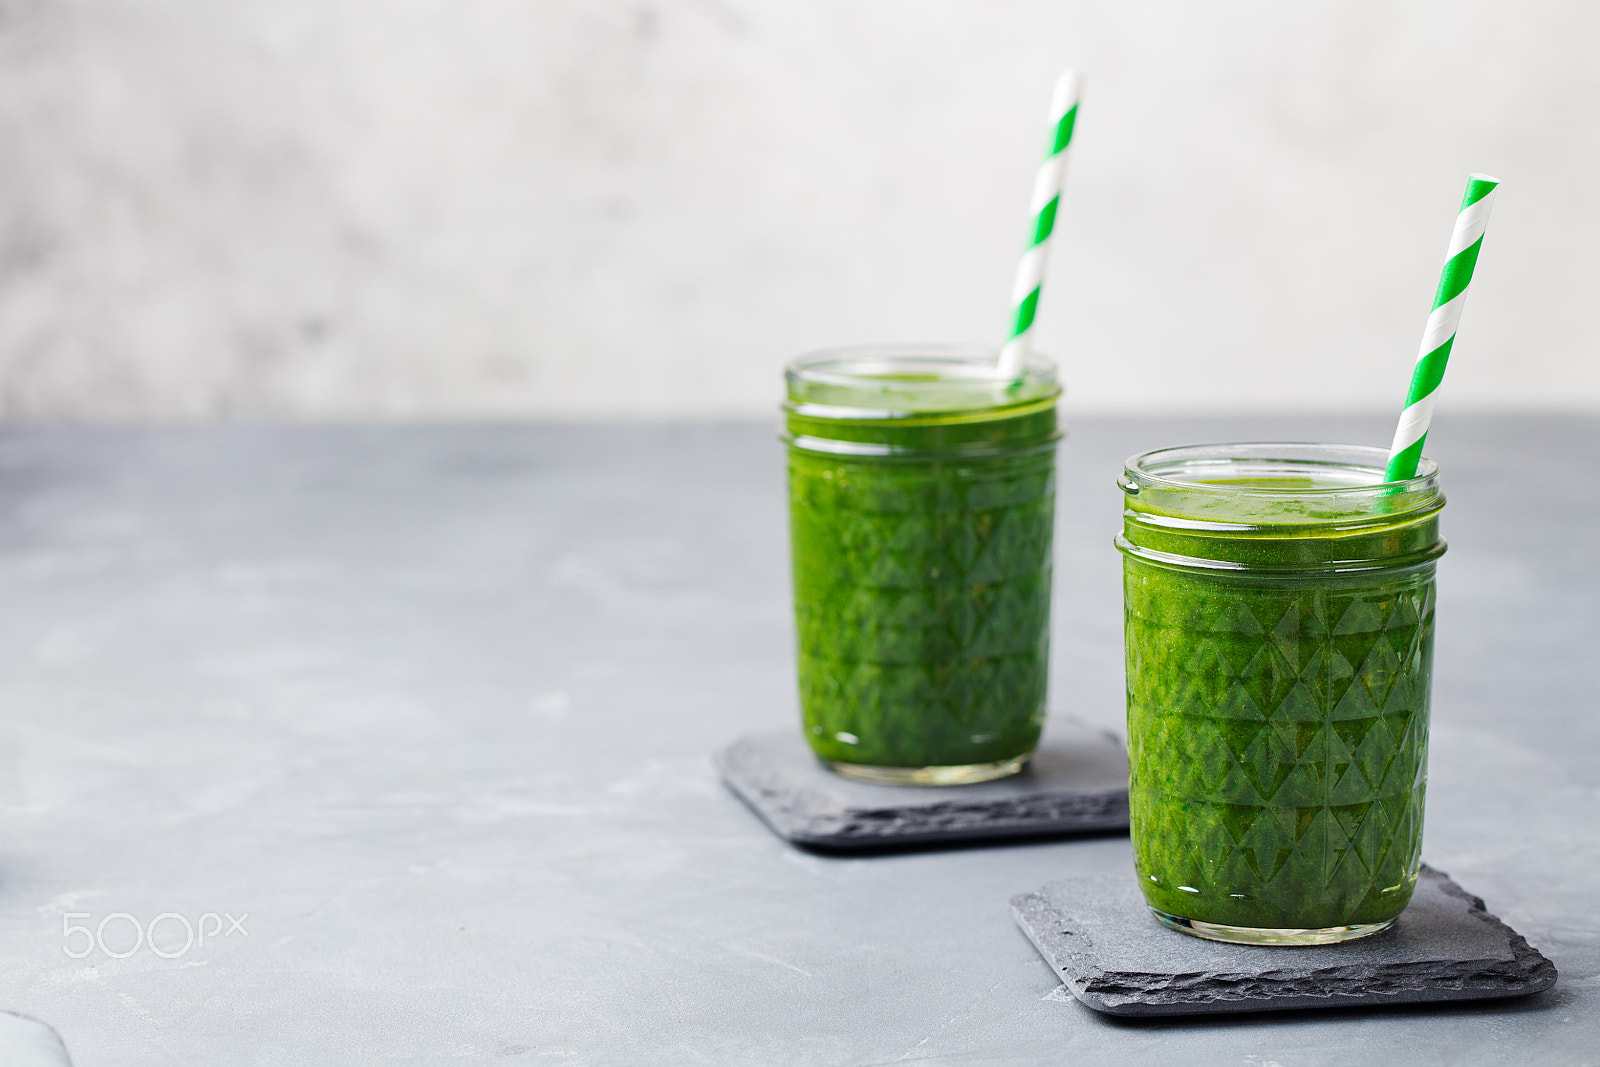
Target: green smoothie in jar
x,y
922,508
1279,631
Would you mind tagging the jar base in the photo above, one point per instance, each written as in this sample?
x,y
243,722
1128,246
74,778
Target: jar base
x,y
962,774
1266,935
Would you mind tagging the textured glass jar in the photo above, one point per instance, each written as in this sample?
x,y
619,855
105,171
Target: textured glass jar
x,y
921,509
1279,603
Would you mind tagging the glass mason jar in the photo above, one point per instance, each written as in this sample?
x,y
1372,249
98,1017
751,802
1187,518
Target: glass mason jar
x,y
1279,605
921,510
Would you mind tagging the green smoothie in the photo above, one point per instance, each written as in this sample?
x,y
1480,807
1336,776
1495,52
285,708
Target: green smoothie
x,y
922,506
1279,635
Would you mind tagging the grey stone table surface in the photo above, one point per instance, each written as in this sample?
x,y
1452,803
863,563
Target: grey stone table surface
x,y
433,711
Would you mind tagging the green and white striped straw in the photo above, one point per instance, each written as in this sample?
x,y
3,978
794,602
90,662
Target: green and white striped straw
x,y
1046,195
1440,335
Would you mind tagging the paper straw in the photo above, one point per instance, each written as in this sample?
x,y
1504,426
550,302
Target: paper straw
x,y
1440,335
1046,195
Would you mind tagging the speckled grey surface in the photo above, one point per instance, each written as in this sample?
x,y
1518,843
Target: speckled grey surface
x,y
435,708
1112,954
1077,782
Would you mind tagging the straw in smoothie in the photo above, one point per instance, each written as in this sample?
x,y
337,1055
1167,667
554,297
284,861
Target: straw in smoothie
x,y
1440,335
1046,198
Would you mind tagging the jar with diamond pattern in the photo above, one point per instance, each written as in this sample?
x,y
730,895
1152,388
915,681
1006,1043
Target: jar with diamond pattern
x,y
1279,610
922,512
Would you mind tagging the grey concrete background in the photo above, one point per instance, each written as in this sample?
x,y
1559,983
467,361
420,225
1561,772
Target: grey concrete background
x,y
640,208
435,709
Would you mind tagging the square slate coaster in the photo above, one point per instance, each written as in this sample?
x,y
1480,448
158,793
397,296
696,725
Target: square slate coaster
x,y
1099,936
1076,782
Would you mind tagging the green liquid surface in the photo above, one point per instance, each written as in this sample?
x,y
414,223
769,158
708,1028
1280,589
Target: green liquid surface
x,y
921,547
1278,709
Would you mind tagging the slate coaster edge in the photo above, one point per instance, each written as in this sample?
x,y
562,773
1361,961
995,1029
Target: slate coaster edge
x,y
1099,989
1048,813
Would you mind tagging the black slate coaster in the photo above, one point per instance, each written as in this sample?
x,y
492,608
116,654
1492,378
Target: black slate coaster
x,y
1076,782
1099,936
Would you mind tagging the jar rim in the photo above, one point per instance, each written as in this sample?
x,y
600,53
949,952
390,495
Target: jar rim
x,y
892,380
1362,465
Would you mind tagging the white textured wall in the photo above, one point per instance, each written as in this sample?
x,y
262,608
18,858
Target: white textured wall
x,y
436,208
